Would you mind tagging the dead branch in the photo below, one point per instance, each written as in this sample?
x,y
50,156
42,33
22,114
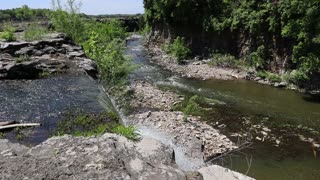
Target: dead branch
x,y
19,125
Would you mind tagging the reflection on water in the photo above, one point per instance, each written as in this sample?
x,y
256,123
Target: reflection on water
x,y
45,100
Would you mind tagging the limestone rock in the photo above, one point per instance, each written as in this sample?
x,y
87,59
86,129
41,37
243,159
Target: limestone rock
x,y
217,173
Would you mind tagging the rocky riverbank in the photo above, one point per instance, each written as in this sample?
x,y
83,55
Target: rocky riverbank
x,y
197,69
155,110
54,54
200,69
106,157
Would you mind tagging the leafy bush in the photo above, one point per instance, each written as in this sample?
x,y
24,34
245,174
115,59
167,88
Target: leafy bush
x,y
34,32
274,77
219,59
130,132
102,42
114,68
257,58
8,33
194,106
69,20
262,74
270,76
178,49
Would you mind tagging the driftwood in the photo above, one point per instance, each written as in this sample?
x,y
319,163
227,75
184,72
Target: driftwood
x,y
19,125
7,123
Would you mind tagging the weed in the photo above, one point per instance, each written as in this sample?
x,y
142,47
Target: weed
x,y
177,49
23,58
130,132
8,33
34,32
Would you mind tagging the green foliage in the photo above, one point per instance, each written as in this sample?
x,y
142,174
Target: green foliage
x,y
69,20
270,76
8,33
34,32
297,76
114,68
23,58
257,58
225,60
102,42
262,74
292,26
194,106
130,132
274,77
78,123
178,49
181,12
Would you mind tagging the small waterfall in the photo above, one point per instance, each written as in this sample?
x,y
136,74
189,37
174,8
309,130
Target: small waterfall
x,y
184,162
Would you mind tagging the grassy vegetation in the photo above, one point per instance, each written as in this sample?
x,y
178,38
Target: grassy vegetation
x,y
130,132
178,49
197,106
270,76
79,123
35,32
8,33
23,58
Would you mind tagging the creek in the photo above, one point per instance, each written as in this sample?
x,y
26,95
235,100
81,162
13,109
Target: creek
x,y
249,109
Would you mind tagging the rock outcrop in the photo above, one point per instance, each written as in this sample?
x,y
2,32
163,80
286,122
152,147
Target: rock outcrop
x,y
55,54
106,157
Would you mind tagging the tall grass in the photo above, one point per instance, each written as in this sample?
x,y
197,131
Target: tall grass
x,y
35,32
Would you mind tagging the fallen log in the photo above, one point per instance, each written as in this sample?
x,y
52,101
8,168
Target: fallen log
x,y
19,125
7,123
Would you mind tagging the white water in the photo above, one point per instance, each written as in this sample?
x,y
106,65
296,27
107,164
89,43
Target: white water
x,y
182,160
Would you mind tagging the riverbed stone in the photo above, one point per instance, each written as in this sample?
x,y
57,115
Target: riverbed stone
x,y
215,172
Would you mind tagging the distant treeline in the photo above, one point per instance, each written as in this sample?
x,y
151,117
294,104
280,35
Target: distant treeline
x,y
23,14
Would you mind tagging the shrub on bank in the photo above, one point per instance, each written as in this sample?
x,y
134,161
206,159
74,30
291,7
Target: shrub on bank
x,y
178,49
8,33
102,42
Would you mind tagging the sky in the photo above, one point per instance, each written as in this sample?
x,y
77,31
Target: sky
x,y
92,7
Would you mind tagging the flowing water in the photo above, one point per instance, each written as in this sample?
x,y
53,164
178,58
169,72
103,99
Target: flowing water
x,y
45,100
285,112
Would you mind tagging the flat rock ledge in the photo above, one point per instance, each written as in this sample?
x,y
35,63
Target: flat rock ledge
x,y
197,70
105,157
55,54
155,111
